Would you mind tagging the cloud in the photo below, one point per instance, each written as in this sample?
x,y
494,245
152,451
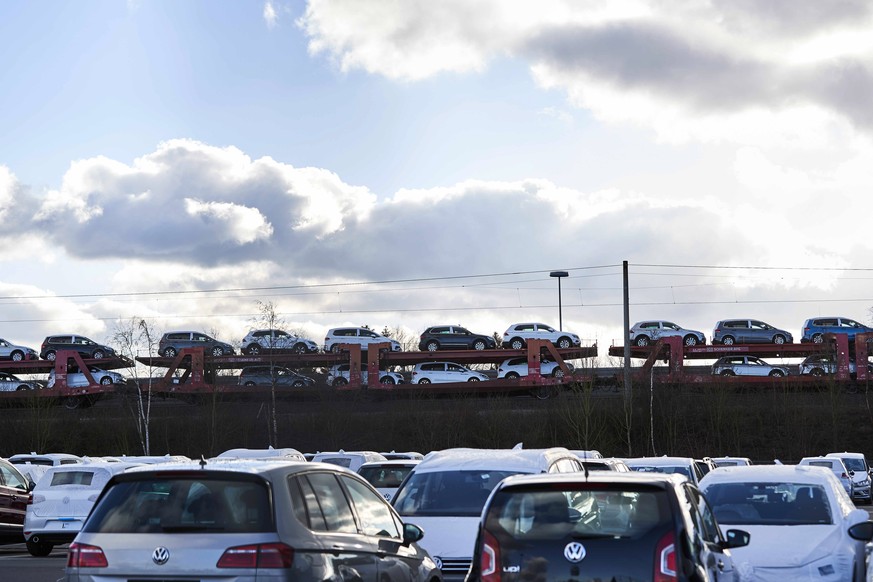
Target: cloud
x,y
270,15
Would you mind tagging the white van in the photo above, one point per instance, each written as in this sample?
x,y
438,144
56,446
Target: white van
x,y
348,459
445,494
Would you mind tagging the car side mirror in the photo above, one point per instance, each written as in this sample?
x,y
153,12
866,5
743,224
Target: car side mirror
x,y
411,533
851,473
31,485
862,531
736,538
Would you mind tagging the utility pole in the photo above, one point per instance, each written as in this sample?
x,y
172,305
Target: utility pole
x,y
626,342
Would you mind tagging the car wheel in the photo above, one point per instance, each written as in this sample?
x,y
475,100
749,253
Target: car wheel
x,y
298,384
642,341
424,381
105,381
98,355
512,376
727,373
779,339
335,348
39,549
22,388
690,340
479,345
17,356
170,352
817,338
253,350
432,346
557,373
50,356
776,374
473,379
217,351
817,372
564,343
387,380
728,340
299,349
544,392
74,402
340,382
517,343
249,384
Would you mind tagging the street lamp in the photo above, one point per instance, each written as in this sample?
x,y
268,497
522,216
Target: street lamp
x,y
558,275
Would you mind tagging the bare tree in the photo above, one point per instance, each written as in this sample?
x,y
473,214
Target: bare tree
x,y
267,318
135,336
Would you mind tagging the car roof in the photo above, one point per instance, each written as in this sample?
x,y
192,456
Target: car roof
x,y
44,457
251,466
662,479
846,455
769,474
466,459
392,463
659,461
268,453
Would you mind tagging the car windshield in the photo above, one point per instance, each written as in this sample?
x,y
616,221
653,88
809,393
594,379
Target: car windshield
x,y
456,493
769,503
183,505
385,476
855,464
677,469
577,511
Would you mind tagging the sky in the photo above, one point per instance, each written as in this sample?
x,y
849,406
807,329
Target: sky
x,y
406,164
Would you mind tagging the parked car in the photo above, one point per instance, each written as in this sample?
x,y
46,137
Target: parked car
x,y
454,337
33,466
746,366
348,459
802,524
609,525
356,335
62,499
837,467
80,379
516,336
441,372
12,383
267,375
645,332
731,461
705,465
173,341
822,365
815,328
386,476
605,464
513,368
87,348
339,374
15,494
748,331
251,520
268,454
402,456
856,463
684,466
16,353
446,492
276,340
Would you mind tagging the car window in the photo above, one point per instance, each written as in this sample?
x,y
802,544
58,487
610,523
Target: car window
x,y
447,492
72,478
374,514
703,516
753,503
332,503
11,478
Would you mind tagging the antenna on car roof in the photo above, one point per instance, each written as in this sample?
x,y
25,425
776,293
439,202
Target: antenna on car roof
x,y
518,447
202,462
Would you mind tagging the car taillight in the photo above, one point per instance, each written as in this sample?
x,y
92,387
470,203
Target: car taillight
x,y
490,558
275,555
665,558
85,556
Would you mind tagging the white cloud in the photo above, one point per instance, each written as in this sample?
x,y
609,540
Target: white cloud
x,y
270,15
243,225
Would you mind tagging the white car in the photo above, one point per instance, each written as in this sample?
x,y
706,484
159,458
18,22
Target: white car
x,y
442,372
338,375
33,465
837,467
62,499
684,466
645,332
386,476
348,459
276,340
12,383
17,353
79,379
268,454
516,336
803,525
731,461
512,368
857,463
356,335
746,366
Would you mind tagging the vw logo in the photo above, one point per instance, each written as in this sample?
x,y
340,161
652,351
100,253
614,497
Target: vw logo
x,y
162,554
574,552
438,561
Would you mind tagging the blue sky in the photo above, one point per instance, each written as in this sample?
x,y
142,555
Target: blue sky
x,y
155,146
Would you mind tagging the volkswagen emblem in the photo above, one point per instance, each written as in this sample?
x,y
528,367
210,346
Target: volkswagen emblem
x,y
574,552
162,554
438,561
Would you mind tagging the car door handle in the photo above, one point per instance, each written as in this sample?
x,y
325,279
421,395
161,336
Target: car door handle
x,y
720,565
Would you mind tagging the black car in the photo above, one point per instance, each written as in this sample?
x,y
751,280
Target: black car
x,y
174,341
454,337
87,348
265,375
601,526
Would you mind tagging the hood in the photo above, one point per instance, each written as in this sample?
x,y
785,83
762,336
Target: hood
x,y
447,537
787,546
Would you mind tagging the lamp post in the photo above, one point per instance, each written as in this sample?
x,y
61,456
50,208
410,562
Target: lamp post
x,y
558,275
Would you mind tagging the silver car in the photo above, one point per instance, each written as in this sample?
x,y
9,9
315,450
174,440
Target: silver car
x,y
12,383
276,340
645,332
748,331
746,366
17,353
249,520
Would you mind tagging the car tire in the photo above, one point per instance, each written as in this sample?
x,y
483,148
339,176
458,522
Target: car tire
x,y
387,380
642,341
479,345
340,382
432,346
98,355
776,374
516,343
817,372
335,349
22,388
728,340
298,384
217,351
779,339
512,376
564,343
39,549
690,340
424,381
253,350
50,356
170,352
544,392
727,373
299,349
473,379
817,338
17,356
558,372
105,381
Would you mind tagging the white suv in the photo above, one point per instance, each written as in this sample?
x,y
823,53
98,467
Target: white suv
x,y
513,368
645,332
441,372
356,335
276,340
339,376
516,336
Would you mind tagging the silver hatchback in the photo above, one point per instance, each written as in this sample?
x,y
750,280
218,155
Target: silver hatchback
x,y
246,520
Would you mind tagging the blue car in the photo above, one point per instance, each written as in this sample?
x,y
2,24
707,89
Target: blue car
x,y
814,329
